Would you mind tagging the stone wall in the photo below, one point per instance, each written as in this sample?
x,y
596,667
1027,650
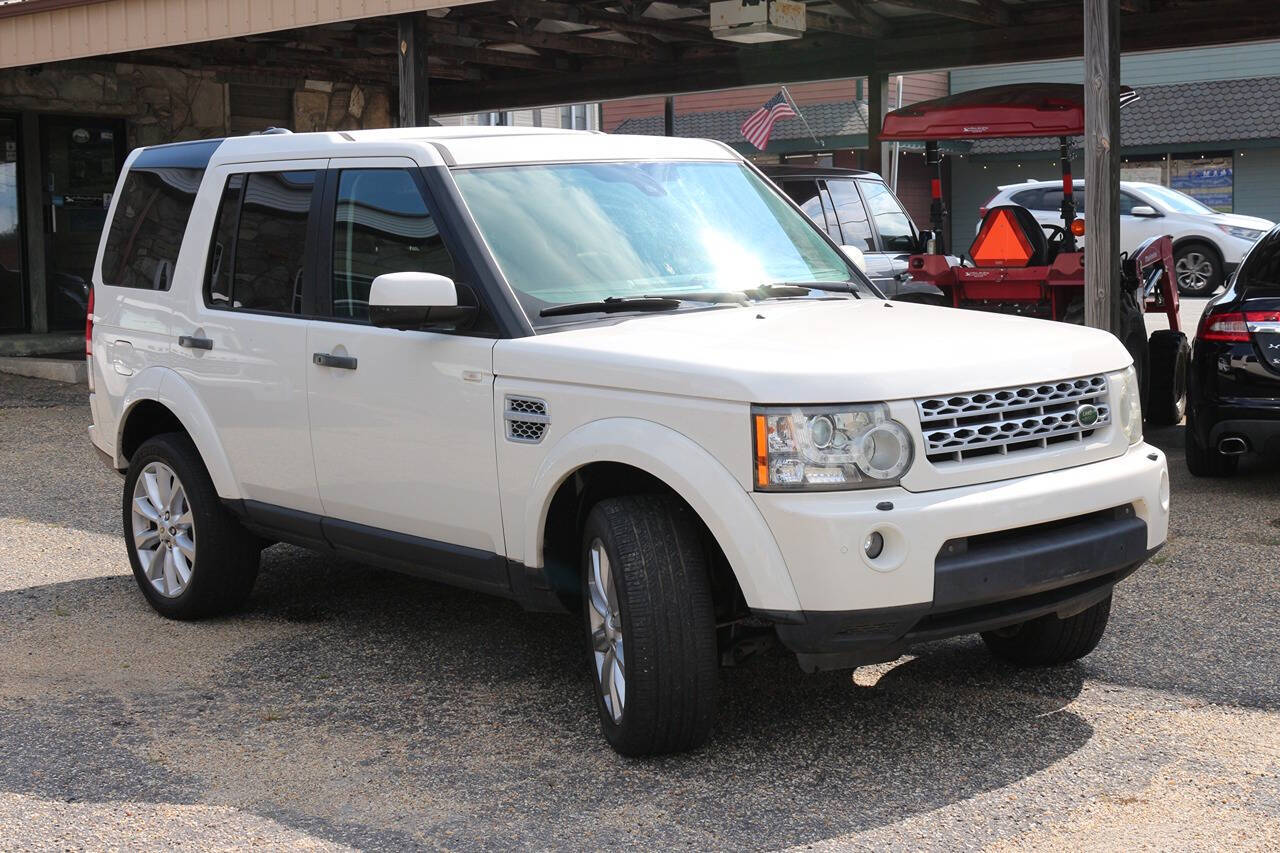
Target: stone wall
x,y
171,105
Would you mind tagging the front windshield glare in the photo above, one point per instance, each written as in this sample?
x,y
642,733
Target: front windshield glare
x,y
1178,202
581,232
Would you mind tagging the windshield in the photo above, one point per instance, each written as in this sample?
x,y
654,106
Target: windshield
x,y
583,232
1176,201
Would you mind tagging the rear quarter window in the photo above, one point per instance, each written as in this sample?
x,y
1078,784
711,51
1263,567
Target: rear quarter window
x,y
147,230
1260,272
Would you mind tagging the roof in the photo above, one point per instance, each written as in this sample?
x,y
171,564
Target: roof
x,y
1018,109
1212,112
817,172
826,120
454,146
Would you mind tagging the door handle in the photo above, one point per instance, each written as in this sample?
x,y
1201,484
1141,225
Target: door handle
x,y
342,362
192,342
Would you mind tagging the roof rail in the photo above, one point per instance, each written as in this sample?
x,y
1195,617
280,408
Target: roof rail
x,y
271,131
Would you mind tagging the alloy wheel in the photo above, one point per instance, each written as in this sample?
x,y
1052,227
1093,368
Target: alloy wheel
x,y
163,529
607,646
1195,271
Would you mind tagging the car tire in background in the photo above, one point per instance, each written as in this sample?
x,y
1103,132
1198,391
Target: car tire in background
x,y
190,556
1205,461
650,624
1169,361
1049,640
1198,270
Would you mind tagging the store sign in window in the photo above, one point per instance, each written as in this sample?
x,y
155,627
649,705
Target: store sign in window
x,y
1209,180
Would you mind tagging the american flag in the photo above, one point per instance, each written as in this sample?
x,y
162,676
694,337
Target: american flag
x,y
759,125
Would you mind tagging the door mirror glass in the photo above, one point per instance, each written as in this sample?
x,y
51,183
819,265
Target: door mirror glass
x,y
856,257
416,300
1143,210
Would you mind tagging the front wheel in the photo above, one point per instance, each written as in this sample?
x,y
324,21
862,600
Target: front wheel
x,y
650,624
1049,640
1198,270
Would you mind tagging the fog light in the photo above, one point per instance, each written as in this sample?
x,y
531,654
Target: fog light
x,y
874,544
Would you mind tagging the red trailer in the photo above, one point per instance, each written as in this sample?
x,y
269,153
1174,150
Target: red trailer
x,y
1016,264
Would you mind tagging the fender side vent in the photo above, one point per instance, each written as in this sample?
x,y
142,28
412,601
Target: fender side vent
x,y
526,418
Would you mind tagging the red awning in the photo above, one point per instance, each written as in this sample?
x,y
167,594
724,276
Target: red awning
x,y
1023,109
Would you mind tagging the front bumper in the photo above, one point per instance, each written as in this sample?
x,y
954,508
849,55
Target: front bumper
x,y
952,555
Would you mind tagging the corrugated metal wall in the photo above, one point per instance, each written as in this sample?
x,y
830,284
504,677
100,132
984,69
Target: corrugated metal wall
x,y
115,26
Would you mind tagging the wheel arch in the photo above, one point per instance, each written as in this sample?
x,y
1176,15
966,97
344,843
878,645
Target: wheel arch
x,y
173,406
621,455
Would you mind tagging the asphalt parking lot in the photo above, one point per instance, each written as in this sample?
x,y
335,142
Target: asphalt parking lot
x,y
349,707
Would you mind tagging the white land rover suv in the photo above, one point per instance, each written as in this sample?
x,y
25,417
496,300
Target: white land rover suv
x,y
619,376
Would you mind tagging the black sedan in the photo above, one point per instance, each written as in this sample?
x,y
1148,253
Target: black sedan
x,y
1234,394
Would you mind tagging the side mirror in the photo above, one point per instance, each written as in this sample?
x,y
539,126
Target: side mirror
x,y
416,300
1145,210
854,254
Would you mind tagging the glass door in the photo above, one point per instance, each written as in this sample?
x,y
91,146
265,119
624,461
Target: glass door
x,y
13,313
81,158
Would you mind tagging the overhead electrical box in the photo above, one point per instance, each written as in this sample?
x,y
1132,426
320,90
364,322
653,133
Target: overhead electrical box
x,y
755,21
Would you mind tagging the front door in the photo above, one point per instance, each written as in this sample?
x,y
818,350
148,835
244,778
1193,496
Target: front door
x,y
13,313
80,160
402,422
856,226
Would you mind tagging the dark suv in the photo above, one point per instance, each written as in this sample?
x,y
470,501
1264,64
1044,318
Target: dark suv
x,y
857,208
1234,402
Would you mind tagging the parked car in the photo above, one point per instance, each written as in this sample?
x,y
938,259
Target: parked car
x,y
1234,391
857,208
622,376
1207,245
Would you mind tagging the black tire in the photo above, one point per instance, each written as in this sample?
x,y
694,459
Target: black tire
x,y
658,569
1135,341
1204,259
1205,461
226,555
1049,640
1170,358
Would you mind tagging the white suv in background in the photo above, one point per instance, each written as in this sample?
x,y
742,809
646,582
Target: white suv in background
x,y
619,376
1207,245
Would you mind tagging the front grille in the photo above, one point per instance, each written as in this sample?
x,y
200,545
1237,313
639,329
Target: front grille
x,y
1010,420
526,418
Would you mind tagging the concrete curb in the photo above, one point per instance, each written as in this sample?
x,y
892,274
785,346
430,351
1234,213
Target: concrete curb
x,y
75,371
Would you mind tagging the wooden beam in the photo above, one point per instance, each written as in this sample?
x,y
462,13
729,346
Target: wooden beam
x,y
991,12
844,26
620,23
1135,5
33,215
860,11
537,39
1102,163
877,106
412,53
669,116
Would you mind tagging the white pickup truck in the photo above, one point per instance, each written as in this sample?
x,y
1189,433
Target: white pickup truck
x,y
618,376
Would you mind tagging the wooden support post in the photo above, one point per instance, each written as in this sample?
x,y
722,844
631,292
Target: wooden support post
x,y
414,108
33,213
1102,164
669,117
877,105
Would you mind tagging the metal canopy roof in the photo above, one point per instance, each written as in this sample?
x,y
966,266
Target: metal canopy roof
x,y
505,54
1020,109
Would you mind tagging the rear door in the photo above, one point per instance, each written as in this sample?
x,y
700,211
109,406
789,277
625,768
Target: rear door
x,y
893,226
857,230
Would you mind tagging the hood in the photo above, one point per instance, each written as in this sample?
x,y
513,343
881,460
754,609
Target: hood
x,y
813,351
1239,221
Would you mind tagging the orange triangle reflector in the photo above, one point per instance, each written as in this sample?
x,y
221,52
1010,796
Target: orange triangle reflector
x,y
1001,242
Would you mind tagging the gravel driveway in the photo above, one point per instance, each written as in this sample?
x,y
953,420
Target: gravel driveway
x,y
349,707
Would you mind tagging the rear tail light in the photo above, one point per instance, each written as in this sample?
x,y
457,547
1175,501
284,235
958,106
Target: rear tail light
x,y
88,327
982,211
1233,326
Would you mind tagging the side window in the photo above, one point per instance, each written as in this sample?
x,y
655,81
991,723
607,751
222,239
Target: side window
x,y
852,215
381,225
897,233
259,250
804,192
1128,203
1031,199
147,230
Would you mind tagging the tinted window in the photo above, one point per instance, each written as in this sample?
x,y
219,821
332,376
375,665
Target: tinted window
x,y
150,221
1052,199
805,193
896,231
1128,203
852,215
257,259
1031,199
381,225
1260,271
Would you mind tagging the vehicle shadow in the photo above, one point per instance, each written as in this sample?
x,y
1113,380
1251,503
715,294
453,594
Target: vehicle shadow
x,y
370,709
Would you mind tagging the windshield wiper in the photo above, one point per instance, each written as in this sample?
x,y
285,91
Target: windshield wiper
x,y
612,305
824,286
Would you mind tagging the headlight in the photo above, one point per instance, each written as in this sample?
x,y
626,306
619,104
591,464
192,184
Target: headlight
x,y
1249,234
1128,399
829,447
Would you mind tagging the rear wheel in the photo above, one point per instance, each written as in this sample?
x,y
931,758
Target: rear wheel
x,y
190,556
1050,640
1198,270
1206,461
1170,355
650,625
